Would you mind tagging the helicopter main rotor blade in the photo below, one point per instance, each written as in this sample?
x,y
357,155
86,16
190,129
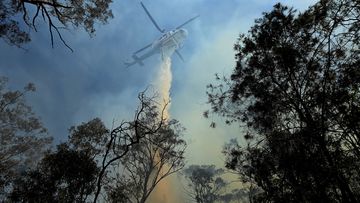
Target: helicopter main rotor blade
x,y
179,55
152,19
191,19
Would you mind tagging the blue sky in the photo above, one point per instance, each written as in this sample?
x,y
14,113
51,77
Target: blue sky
x,y
92,82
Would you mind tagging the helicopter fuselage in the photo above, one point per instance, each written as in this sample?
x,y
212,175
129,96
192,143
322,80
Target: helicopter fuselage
x,y
173,39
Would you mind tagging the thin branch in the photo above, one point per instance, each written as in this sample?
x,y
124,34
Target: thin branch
x,y
34,2
35,16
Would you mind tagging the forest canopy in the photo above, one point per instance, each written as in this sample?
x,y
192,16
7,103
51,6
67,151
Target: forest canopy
x,y
295,91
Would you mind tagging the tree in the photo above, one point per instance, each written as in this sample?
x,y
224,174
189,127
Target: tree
x,y
57,14
23,139
296,88
205,183
90,138
154,158
66,175
236,195
110,147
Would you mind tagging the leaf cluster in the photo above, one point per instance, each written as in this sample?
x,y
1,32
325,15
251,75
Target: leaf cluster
x,y
18,16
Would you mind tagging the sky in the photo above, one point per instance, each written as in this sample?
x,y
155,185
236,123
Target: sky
x,y
74,87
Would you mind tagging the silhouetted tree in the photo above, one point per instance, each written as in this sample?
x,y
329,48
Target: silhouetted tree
x,y
90,138
155,157
296,88
23,139
66,175
109,148
236,195
205,183
93,156
119,194
16,16
148,121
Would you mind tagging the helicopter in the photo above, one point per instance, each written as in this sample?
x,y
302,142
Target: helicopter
x,y
169,41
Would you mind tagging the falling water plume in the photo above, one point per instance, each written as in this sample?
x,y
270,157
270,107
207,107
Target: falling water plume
x,y
164,85
166,191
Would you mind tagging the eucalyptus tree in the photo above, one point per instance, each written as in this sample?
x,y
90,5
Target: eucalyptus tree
x,y
295,92
205,183
146,149
65,175
17,17
154,158
23,139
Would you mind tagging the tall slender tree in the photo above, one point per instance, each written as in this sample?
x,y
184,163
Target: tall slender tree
x,y
154,158
148,145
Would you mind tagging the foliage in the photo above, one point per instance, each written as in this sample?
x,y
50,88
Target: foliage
x,y
20,15
90,137
205,183
66,175
85,164
23,139
296,88
155,157
79,169
110,148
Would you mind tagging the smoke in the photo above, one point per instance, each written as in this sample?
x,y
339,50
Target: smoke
x,y
167,190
